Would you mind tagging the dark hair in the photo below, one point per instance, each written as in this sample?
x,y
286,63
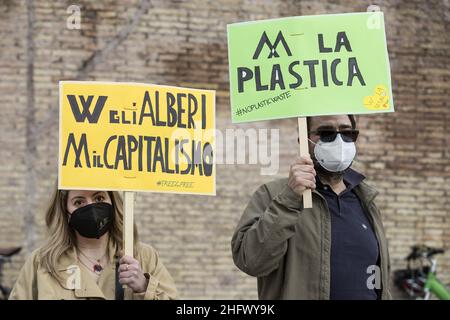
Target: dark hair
x,y
350,116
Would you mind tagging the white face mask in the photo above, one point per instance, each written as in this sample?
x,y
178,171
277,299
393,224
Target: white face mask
x,y
335,156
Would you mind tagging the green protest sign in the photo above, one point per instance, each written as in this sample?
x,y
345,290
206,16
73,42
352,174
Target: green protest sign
x,y
309,66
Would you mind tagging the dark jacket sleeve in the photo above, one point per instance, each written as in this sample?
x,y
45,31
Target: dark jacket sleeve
x,y
260,239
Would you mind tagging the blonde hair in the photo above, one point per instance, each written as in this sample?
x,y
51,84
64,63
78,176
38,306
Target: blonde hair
x,y
62,237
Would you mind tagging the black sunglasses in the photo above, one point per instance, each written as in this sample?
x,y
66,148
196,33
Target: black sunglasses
x,y
328,135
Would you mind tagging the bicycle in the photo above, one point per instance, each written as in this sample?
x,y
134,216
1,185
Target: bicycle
x,y
5,256
420,282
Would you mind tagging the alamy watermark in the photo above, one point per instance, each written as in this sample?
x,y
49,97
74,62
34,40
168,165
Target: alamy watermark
x,y
236,146
73,21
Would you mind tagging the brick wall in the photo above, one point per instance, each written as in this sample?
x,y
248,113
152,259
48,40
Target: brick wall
x,y
405,155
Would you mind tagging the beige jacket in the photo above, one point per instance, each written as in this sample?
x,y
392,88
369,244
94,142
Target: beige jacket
x,y
35,282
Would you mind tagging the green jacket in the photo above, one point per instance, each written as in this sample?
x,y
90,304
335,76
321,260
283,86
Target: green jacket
x,y
288,247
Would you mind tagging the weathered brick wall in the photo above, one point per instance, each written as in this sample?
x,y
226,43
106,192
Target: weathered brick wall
x,y
405,155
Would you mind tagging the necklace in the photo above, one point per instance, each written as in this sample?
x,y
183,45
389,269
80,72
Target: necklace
x,y
97,267
97,273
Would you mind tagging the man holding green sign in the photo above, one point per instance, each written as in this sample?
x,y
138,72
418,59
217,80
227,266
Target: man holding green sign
x,y
333,247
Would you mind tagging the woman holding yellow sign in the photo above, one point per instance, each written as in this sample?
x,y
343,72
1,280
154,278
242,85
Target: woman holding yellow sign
x,y
82,256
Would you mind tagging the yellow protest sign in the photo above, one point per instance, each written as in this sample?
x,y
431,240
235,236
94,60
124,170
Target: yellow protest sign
x,y
136,137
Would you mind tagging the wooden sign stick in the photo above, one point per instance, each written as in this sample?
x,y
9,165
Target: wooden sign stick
x,y
304,152
128,225
128,230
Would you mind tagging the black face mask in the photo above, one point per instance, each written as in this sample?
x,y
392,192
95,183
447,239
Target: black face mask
x,y
93,220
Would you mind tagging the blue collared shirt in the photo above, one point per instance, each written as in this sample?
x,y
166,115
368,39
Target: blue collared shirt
x,y
354,246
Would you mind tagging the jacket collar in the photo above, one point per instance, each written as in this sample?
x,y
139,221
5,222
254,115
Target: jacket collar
x,y
354,180
366,192
69,267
